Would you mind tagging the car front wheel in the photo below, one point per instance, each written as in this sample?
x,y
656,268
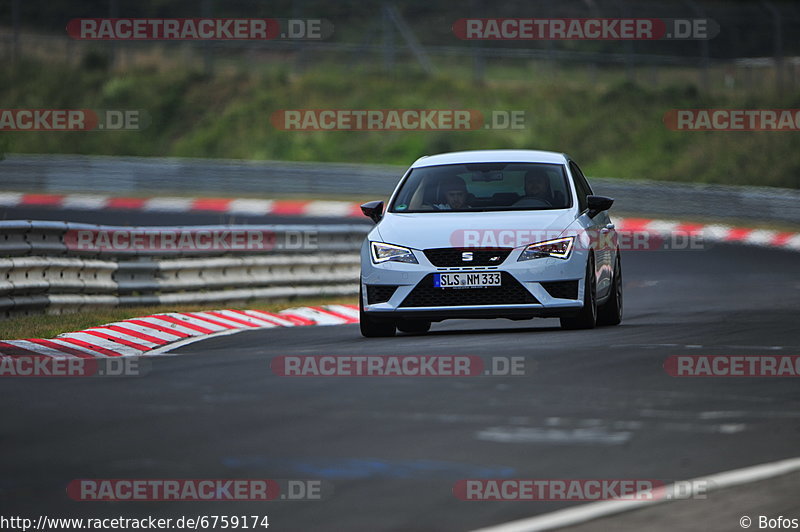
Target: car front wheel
x,y
587,317
611,311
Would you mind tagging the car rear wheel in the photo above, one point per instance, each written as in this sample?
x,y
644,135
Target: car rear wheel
x,y
587,317
372,327
610,313
414,326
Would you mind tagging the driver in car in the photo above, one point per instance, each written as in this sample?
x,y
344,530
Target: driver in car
x,y
537,185
455,194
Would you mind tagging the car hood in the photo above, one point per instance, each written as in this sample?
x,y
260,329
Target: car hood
x,y
473,229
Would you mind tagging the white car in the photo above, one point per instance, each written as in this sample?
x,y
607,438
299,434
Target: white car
x,y
511,234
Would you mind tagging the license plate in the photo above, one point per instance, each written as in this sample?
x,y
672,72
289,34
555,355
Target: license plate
x,y
466,279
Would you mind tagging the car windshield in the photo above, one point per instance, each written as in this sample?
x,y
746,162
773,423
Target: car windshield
x,y
484,187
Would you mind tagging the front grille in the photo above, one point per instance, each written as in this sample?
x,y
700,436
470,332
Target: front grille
x,y
562,289
480,256
380,293
510,292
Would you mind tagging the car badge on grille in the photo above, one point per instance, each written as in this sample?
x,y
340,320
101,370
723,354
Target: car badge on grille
x,y
466,256
494,259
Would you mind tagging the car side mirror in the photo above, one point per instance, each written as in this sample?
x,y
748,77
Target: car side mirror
x,y
373,210
598,204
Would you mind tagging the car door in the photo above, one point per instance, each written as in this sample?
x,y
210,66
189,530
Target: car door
x,y
601,231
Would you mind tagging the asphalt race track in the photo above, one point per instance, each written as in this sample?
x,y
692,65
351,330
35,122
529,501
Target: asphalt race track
x,y
592,404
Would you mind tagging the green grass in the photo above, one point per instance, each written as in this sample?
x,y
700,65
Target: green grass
x,y
48,326
614,128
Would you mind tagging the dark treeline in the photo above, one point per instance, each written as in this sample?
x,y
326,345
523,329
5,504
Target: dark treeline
x,y
747,28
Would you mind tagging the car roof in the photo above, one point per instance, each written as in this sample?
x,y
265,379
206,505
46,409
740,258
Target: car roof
x,y
489,156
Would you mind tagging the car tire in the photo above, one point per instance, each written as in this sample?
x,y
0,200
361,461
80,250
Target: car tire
x,y
610,312
414,326
372,327
587,317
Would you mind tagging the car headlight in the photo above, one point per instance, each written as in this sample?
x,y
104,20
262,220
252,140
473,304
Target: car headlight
x,y
387,252
558,248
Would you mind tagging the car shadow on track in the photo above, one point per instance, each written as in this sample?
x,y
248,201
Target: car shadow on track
x,y
498,330
518,330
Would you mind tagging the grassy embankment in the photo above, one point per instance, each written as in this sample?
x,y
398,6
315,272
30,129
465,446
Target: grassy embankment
x,y
613,128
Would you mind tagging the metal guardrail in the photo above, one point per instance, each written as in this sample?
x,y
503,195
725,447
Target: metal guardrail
x,y
132,175
154,175
44,268
687,200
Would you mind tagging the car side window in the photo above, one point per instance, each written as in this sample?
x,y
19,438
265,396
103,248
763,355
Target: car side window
x,y
581,186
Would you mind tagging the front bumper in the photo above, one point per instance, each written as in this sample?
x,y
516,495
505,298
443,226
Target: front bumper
x,y
544,287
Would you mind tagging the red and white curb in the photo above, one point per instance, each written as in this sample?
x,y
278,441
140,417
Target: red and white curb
x,y
711,232
160,333
242,206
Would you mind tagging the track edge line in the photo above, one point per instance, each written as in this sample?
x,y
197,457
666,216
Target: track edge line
x,y
596,510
